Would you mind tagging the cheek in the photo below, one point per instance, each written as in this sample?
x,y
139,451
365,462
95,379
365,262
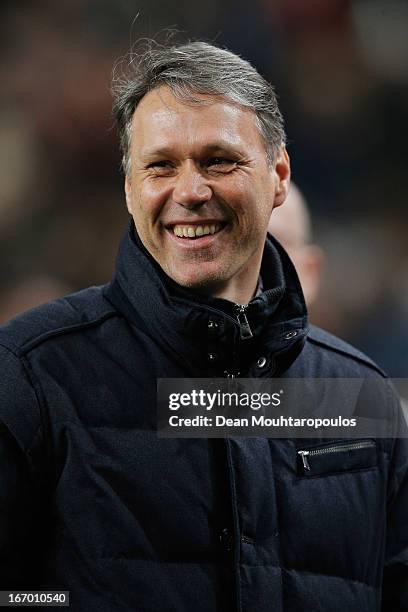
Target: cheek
x,y
238,195
147,202
253,211
264,203
150,190
253,197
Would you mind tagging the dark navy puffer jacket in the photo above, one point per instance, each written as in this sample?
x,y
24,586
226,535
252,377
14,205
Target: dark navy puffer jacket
x,y
93,502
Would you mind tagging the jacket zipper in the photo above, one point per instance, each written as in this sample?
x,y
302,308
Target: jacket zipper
x,y
245,332
338,448
244,327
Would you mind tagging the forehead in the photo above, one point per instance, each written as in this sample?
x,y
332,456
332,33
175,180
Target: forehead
x,y
161,120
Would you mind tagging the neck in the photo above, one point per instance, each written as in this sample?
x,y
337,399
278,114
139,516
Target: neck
x,y
238,295
240,289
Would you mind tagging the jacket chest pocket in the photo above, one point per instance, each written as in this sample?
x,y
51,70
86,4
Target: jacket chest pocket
x,y
334,513
336,457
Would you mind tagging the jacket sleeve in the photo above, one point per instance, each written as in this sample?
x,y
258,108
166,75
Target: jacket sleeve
x,y
20,503
395,578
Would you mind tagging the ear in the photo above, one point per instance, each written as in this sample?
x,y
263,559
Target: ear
x,y
282,173
128,193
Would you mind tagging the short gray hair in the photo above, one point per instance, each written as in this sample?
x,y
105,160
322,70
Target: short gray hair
x,y
191,70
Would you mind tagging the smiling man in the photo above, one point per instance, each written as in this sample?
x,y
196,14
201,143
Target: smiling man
x,y
201,190
92,501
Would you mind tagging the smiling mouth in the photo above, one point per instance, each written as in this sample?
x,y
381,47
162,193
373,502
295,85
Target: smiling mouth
x,y
193,232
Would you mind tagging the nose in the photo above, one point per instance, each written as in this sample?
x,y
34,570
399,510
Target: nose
x,y
191,189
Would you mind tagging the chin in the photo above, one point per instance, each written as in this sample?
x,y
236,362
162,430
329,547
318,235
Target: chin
x,y
205,283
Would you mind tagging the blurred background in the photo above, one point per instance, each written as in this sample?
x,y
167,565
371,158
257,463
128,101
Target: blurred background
x,y
341,72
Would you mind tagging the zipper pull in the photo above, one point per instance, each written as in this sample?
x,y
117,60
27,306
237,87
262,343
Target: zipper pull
x,y
304,454
244,327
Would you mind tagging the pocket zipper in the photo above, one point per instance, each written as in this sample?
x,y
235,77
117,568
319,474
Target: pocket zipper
x,y
333,449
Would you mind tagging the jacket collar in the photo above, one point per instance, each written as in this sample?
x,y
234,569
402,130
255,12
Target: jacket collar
x,y
205,332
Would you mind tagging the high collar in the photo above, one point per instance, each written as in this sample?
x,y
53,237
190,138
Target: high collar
x,y
206,333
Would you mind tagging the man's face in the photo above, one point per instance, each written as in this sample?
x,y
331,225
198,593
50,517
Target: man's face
x,y
201,189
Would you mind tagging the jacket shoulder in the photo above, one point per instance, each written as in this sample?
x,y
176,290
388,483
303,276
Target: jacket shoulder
x,y
85,308
341,350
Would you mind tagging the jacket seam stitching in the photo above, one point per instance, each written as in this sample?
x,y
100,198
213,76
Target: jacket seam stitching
x,y
395,483
31,344
336,349
9,349
30,381
300,571
35,386
234,501
278,522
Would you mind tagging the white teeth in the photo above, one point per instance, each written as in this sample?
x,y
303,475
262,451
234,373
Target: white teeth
x,y
189,231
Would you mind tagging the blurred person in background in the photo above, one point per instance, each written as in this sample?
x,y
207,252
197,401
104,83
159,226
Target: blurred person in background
x,y
91,500
291,225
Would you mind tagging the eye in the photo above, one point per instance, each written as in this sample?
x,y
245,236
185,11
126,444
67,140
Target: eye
x,y
219,161
159,164
221,164
161,167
